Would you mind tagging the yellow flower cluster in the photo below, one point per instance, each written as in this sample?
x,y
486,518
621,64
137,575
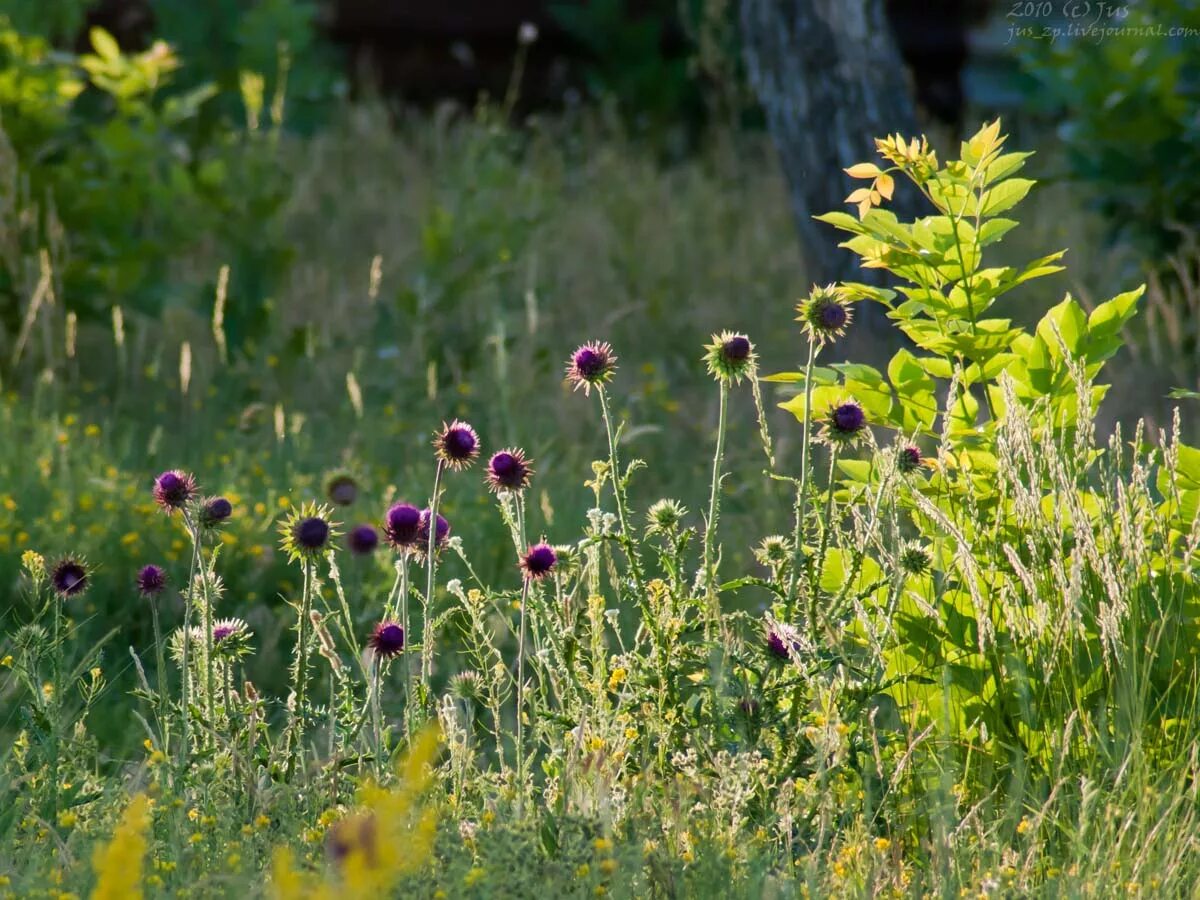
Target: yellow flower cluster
x,y
390,836
118,863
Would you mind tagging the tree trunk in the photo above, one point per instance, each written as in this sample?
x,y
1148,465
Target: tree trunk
x,y
831,80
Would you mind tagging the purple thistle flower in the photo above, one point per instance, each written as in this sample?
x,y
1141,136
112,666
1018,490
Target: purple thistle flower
x,y
215,511
908,460
825,313
151,580
457,444
736,349
69,577
782,640
306,531
311,533
730,357
833,316
591,365
844,424
362,540
509,470
173,490
442,533
402,526
387,640
539,561
226,628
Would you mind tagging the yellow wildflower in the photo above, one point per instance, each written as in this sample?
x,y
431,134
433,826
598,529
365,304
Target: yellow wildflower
x,y
473,876
118,864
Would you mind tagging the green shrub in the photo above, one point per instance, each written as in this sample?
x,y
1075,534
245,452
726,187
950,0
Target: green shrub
x,y
110,176
1126,96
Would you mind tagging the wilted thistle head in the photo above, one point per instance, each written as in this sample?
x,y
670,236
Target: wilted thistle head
x,y
782,640
825,313
591,365
665,516
908,459
387,640
441,534
466,685
69,577
914,559
457,444
362,540
538,561
402,526
844,424
151,580
774,551
174,490
509,470
730,357
193,635
306,532
214,512
341,488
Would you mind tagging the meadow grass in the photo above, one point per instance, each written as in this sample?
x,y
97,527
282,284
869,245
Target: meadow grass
x,y
972,678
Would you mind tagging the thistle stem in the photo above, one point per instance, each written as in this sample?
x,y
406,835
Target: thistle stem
x,y
802,489
619,494
520,748
714,510
185,747
376,713
301,668
56,699
160,665
819,563
209,693
430,572
408,696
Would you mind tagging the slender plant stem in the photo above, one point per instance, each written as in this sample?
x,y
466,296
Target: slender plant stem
x,y
619,493
802,488
819,562
301,667
519,506
376,713
430,573
56,711
209,693
160,664
185,747
521,700
714,510
408,696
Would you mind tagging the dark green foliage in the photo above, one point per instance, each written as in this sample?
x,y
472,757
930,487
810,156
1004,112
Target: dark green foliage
x,y
1127,99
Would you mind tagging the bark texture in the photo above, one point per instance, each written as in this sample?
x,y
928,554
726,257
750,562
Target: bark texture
x,y
830,78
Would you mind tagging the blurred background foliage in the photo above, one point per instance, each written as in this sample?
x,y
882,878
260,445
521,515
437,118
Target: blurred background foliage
x,y
1128,111
221,222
